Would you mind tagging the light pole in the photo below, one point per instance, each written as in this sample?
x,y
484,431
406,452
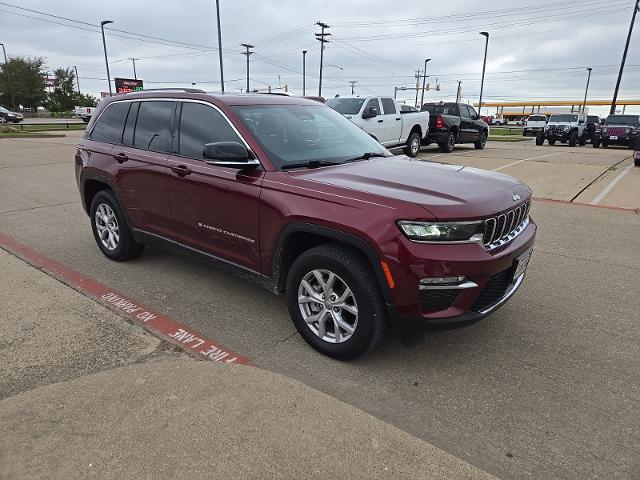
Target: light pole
x,y
304,73
353,84
77,78
220,46
424,81
624,58
6,68
484,66
133,60
584,103
104,46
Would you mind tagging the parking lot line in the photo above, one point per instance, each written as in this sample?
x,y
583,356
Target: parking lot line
x,y
161,325
523,160
609,187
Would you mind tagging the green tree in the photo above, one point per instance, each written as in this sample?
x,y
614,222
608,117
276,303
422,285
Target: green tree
x,y
22,80
62,98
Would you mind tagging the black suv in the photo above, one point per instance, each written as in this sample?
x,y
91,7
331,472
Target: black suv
x,y
452,123
593,130
621,130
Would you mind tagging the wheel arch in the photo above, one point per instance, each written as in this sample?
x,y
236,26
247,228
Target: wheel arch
x,y
92,183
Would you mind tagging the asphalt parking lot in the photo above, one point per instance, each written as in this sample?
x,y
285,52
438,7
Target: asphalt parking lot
x,y
548,387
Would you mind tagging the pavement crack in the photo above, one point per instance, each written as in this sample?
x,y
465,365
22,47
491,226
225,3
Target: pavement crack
x,y
599,177
574,257
288,337
36,208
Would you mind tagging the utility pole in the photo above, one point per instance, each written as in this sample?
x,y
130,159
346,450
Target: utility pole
x,y
424,81
584,104
459,91
135,75
484,66
104,46
6,69
220,46
417,86
624,57
353,84
322,38
77,78
248,53
304,73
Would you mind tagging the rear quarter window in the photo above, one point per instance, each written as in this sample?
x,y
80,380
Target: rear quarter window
x,y
109,126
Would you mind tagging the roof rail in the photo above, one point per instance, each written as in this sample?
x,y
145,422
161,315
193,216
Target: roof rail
x,y
173,89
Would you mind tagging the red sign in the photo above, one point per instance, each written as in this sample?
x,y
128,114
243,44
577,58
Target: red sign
x,y
127,85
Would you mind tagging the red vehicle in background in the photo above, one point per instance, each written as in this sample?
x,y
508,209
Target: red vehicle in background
x,y
289,193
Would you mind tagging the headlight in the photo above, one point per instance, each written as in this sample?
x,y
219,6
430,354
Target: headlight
x,y
604,130
441,232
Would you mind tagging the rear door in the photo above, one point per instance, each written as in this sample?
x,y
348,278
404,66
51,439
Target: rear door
x,y
392,121
468,128
142,155
215,209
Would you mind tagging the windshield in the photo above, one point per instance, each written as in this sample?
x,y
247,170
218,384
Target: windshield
x,y
294,134
4,110
346,106
593,119
537,118
441,108
623,120
563,118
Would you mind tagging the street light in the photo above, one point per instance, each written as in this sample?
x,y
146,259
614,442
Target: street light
x,y
424,80
484,66
6,68
584,104
220,46
104,46
304,73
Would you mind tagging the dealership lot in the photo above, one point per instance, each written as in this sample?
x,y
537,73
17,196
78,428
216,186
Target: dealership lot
x,y
545,388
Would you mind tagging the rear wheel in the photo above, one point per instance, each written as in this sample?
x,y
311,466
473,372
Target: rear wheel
x,y
540,139
605,143
334,301
636,161
573,138
449,143
482,141
110,228
413,145
595,142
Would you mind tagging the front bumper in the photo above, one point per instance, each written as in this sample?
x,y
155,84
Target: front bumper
x,y
533,131
488,273
626,140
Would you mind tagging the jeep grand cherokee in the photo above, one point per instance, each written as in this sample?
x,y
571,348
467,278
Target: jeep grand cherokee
x,y
291,193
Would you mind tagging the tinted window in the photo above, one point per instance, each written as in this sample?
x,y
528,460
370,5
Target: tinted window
x,y
109,126
464,111
537,118
199,125
593,119
472,111
153,128
388,106
441,108
127,138
623,120
564,118
373,103
346,106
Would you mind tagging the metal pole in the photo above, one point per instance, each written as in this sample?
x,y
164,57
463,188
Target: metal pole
x,y
484,66
133,60
584,103
304,72
458,92
353,84
624,58
6,67
247,53
322,38
104,46
424,81
417,87
220,47
77,78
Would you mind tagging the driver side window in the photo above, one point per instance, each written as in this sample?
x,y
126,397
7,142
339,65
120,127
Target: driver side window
x,y
201,124
373,103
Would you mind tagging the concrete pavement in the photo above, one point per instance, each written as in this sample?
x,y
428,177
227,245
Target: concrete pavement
x,y
84,394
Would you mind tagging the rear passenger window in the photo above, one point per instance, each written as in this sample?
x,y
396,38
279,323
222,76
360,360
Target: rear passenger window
x,y
388,106
127,138
153,127
201,124
109,126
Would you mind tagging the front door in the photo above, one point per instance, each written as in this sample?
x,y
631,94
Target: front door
x,y
374,126
215,209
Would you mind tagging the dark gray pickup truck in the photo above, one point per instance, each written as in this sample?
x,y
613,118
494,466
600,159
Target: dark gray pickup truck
x,y
453,123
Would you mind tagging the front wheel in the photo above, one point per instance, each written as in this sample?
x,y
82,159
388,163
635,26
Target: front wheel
x,y
582,141
540,139
334,301
449,143
573,138
413,145
595,142
482,141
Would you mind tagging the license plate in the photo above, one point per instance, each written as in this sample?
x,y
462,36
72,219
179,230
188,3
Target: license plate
x,y
613,137
521,264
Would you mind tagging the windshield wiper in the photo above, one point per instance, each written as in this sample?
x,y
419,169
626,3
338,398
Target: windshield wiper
x,y
367,156
310,164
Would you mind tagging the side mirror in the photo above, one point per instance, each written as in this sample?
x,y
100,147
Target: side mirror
x,y
229,154
370,112
580,121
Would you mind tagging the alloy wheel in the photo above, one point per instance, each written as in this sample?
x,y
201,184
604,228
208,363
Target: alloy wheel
x,y
328,306
415,146
107,226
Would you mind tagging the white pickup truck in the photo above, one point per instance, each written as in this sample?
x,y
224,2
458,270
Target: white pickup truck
x,y
382,118
84,113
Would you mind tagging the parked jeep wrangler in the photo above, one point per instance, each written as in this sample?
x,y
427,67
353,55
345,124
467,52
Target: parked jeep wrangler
x,y
566,127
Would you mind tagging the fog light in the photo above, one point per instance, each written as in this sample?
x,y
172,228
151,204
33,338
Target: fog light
x,y
442,280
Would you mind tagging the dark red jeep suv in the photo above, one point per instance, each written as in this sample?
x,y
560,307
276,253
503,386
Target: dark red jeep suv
x,y
290,193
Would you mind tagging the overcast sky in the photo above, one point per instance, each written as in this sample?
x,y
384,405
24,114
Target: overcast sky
x,y
536,50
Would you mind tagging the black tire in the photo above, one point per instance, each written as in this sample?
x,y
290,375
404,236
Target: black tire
x,y
413,145
482,141
573,138
595,143
352,268
449,144
540,139
582,141
636,161
126,247
552,142
605,144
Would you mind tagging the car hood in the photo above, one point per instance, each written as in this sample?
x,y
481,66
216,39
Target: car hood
x,y
448,192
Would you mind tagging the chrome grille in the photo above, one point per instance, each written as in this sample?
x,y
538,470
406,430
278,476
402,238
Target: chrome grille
x,y
505,227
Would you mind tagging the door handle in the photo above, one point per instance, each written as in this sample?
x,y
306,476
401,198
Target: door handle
x,y
181,170
380,121
121,157
398,119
